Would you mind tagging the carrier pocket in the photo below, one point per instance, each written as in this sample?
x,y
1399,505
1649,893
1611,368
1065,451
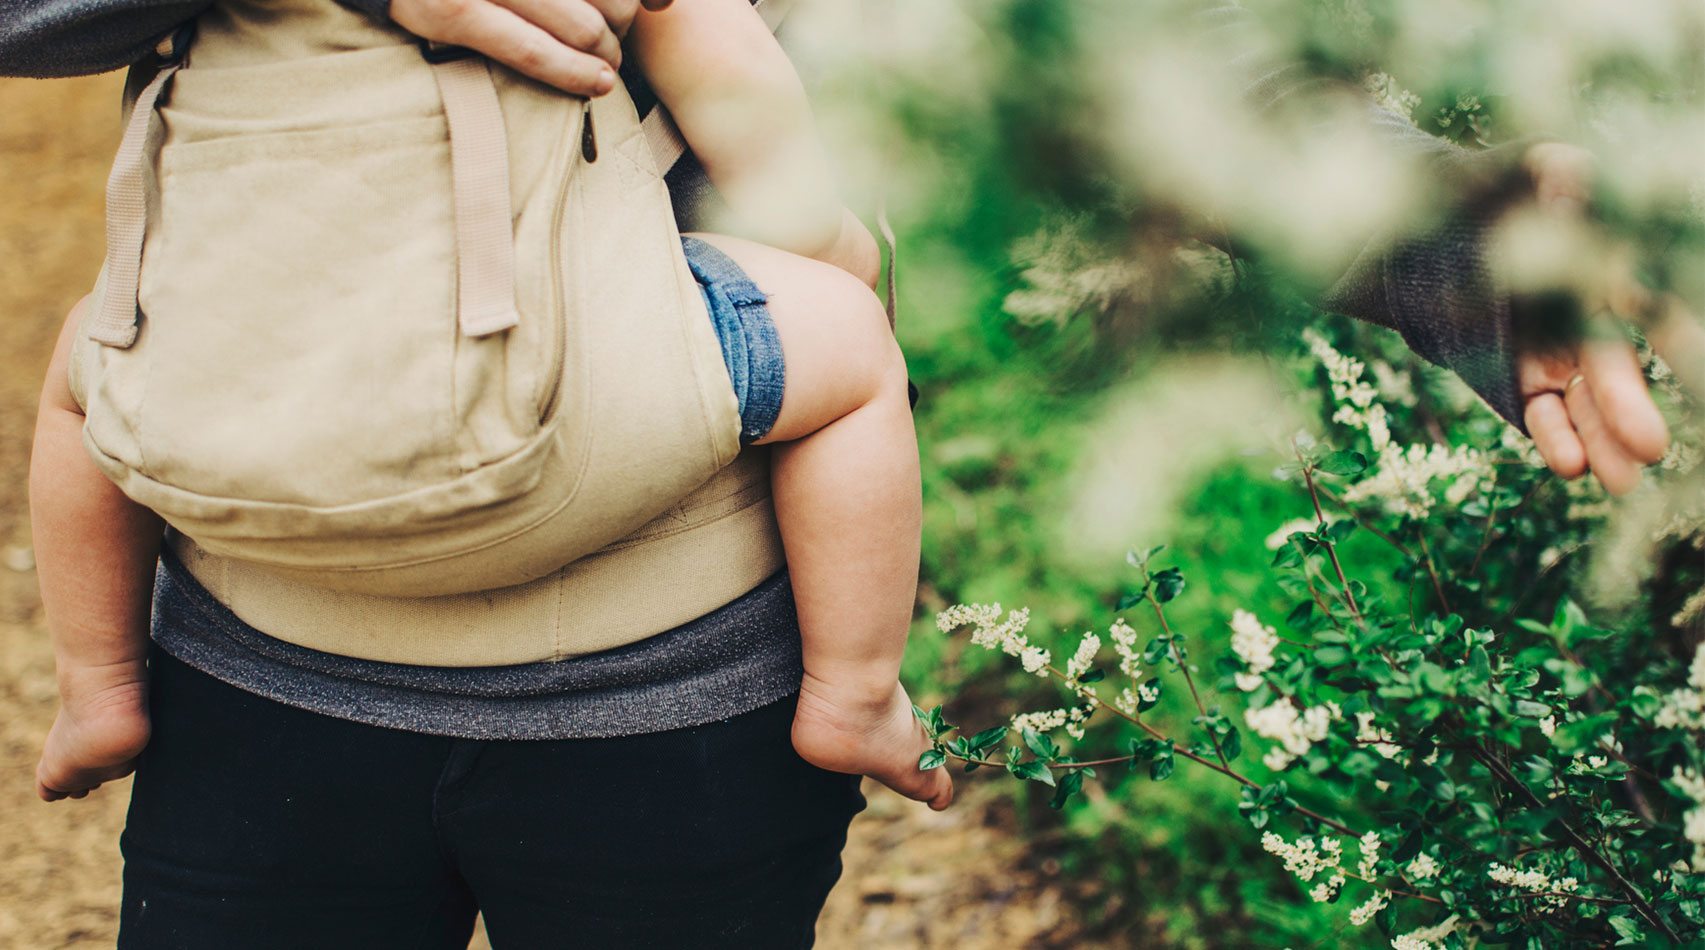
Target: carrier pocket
x,y
300,286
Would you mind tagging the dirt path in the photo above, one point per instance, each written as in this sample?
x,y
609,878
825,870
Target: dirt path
x,y
913,879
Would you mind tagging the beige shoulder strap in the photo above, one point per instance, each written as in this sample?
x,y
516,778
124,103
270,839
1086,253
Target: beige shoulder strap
x,y
479,173
127,208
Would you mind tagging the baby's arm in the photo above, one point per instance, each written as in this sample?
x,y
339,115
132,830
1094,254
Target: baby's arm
x,y
742,109
95,552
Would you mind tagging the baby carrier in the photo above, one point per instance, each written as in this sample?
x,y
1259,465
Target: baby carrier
x,y
387,319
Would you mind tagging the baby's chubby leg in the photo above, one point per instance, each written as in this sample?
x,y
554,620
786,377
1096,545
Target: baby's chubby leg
x,y
95,552
849,503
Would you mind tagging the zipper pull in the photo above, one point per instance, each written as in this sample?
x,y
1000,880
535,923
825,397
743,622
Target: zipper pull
x,y
588,137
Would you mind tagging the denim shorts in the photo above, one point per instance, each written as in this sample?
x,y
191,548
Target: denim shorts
x,y
750,347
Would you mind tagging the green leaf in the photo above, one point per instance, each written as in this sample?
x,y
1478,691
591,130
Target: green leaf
x,y
1331,655
988,738
1626,928
1034,771
931,759
1093,676
1161,768
1583,734
937,724
1531,710
1070,784
1132,599
1300,615
1231,744
1041,745
1339,530
1343,462
1168,584
1140,561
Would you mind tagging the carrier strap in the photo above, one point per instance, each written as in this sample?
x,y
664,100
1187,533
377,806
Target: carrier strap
x,y
127,212
479,173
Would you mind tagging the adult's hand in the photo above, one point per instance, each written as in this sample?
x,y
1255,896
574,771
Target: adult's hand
x,y
574,45
1587,404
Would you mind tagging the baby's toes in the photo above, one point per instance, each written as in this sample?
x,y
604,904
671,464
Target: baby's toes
x,y
934,787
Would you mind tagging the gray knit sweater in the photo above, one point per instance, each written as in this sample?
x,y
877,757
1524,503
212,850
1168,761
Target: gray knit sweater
x,y
46,38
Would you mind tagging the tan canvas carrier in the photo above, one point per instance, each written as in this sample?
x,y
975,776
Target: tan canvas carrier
x,y
395,324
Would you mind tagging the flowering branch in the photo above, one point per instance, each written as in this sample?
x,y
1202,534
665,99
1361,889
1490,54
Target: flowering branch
x,y
1485,758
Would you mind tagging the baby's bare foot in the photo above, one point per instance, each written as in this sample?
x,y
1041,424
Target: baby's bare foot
x,y
100,730
860,732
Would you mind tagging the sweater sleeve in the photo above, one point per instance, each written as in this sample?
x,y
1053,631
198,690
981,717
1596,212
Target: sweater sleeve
x,y
48,38
1433,285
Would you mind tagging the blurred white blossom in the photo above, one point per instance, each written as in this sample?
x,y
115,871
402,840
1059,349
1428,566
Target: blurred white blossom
x,y
1253,642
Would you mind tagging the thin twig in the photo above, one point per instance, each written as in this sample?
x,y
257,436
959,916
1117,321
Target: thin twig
x,y
1331,549
1190,681
1433,574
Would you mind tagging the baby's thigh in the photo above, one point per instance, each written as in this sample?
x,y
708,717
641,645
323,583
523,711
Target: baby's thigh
x,y
836,342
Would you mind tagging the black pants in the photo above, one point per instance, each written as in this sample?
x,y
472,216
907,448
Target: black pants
x,y
255,825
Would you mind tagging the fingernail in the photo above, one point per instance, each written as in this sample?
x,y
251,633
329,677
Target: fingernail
x,y
606,81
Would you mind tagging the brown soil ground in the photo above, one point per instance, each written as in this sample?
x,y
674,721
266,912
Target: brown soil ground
x,y
913,878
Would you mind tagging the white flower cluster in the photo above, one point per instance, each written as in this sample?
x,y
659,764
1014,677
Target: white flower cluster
x,y
1690,609
1309,858
1684,708
1377,739
1066,273
1046,720
1426,938
1295,731
1394,386
1253,642
1370,856
1370,907
1537,882
1404,477
1076,718
1358,405
1084,658
1125,644
1388,94
1693,822
992,633
1423,867
1127,700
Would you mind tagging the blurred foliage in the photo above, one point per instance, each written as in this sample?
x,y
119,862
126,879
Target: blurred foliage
x,y
1055,169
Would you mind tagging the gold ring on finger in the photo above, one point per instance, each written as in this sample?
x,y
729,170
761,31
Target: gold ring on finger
x,y
1574,381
